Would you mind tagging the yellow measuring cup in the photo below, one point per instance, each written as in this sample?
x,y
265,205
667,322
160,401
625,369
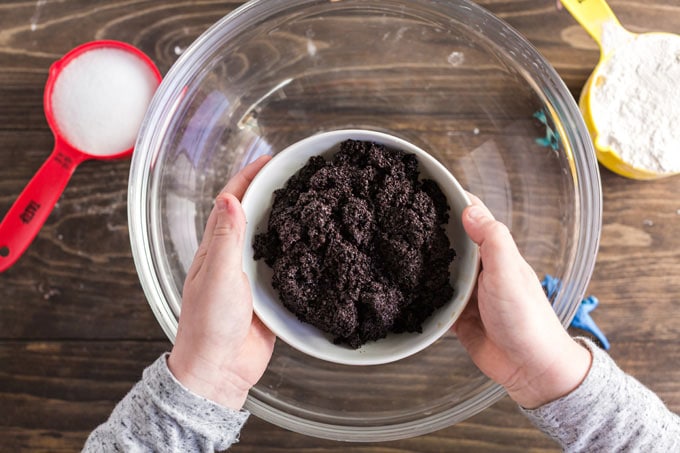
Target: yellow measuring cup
x,y
597,18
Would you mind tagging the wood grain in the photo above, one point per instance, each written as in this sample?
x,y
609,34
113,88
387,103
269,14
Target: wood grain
x,y
75,328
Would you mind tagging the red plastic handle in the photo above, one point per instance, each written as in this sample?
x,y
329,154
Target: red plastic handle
x,y
30,211
28,214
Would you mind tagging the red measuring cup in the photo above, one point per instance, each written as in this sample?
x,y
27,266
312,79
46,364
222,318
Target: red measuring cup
x,y
31,209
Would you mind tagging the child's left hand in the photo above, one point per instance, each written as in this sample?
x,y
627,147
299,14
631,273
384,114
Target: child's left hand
x,y
222,348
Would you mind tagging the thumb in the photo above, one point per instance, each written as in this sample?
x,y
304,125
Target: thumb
x,y
496,246
225,250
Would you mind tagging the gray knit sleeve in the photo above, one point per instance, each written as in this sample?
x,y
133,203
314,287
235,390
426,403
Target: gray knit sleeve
x,y
160,414
610,411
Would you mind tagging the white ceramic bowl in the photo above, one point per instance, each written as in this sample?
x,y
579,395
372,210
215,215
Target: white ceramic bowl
x,y
308,339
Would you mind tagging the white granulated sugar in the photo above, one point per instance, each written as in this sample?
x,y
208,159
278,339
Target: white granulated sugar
x,y
635,102
100,98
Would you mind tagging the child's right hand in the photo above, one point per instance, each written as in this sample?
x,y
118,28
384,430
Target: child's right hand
x,y
510,330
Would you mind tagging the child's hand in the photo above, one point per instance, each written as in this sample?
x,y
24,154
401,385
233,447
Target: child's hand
x,y
221,349
510,330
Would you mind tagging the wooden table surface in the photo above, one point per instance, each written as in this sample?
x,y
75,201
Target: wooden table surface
x,y
75,328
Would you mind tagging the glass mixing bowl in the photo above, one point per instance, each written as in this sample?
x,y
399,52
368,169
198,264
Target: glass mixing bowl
x,y
448,77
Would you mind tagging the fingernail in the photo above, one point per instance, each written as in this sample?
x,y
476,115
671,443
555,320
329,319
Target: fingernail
x,y
476,214
221,204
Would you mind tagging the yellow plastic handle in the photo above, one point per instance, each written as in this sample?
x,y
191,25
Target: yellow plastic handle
x,y
591,14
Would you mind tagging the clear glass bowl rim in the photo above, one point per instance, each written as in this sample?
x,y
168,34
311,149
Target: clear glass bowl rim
x,y
526,58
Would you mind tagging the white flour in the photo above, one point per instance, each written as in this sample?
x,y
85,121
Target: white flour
x,y
635,102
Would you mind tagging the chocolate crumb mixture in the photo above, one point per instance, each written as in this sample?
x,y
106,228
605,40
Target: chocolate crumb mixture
x,y
357,244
